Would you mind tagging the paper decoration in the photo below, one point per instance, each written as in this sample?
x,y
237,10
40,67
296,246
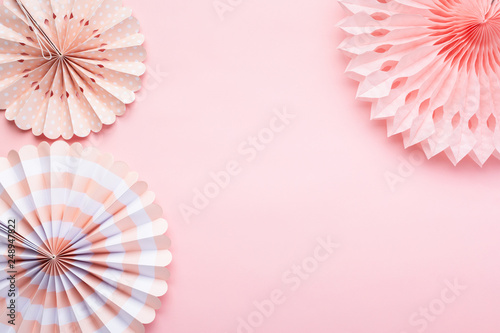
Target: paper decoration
x,y
431,69
90,250
68,66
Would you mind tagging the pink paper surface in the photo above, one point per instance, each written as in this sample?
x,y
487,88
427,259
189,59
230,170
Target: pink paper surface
x,y
406,229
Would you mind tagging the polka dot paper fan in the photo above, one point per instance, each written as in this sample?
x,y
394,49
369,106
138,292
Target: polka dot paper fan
x,y
68,67
431,68
83,244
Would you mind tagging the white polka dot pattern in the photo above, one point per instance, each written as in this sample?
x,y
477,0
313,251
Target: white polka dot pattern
x,y
86,82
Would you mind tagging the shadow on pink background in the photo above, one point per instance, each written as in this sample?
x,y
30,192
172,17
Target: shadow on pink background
x,y
419,253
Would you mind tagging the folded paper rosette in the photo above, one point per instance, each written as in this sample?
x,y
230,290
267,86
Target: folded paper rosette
x,y
68,66
431,68
82,243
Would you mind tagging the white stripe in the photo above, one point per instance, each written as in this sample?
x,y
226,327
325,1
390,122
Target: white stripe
x,y
59,164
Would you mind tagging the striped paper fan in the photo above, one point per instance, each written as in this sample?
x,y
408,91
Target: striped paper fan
x,y
68,67
90,251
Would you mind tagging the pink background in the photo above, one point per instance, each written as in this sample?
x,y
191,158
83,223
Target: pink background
x,y
324,175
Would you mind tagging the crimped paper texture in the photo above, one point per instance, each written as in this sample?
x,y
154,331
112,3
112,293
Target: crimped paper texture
x,y
72,68
431,69
90,248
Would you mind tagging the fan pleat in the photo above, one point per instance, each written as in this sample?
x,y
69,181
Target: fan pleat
x,y
78,80
431,70
91,250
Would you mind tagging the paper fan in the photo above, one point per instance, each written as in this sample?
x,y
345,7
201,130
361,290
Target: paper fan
x,y
68,66
89,244
431,69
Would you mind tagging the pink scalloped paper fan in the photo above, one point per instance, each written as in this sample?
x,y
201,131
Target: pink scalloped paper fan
x,y
68,66
431,68
88,242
